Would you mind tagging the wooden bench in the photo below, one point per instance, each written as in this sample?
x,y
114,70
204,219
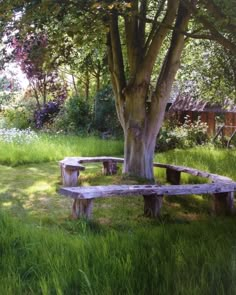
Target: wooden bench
x,y
71,167
222,188
84,196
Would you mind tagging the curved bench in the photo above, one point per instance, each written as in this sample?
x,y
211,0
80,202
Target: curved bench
x,y
222,188
71,167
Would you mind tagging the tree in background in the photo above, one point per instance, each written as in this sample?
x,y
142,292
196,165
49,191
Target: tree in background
x,y
104,120
47,87
30,54
207,72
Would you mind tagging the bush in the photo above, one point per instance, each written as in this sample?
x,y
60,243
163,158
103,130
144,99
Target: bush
x,y
105,112
17,117
74,117
185,136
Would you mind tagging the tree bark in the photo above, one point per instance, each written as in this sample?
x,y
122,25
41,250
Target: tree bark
x,y
137,154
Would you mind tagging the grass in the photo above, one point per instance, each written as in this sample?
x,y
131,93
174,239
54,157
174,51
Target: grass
x,y
166,259
44,251
53,148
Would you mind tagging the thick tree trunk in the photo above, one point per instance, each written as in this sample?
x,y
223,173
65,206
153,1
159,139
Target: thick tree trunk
x,y
138,154
140,133
140,141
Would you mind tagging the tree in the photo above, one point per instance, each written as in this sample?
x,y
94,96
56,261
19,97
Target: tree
x,y
136,32
207,72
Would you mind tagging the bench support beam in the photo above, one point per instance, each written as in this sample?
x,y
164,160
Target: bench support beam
x,y
82,208
109,167
152,205
173,176
223,203
69,176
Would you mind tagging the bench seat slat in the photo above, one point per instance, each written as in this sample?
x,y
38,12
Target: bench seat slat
x,y
91,192
100,159
74,165
194,172
75,162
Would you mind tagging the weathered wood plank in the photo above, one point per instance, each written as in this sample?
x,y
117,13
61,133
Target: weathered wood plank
x,y
152,205
223,203
69,177
82,208
73,166
100,159
194,172
109,167
71,162
128,190
173,176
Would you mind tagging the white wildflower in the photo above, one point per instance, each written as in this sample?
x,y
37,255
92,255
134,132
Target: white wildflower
x,y
18,136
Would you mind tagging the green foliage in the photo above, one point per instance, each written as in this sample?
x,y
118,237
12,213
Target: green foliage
x,y
105,112
74,117
7,97
18,117
207,71
184,136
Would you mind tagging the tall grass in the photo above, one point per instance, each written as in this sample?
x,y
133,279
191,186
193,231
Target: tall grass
x,y
42,251
51,148
208,158
167,259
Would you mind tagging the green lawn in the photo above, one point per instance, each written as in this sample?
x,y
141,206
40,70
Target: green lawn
x,y
44,251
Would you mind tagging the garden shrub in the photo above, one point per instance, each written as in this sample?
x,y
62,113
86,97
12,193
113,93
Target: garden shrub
x,y
105,112
17,117
74,117
46,114
184,136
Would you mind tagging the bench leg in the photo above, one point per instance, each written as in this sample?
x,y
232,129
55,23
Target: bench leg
x,y
173,176
152,205
69,176
109,168
223,203
82,208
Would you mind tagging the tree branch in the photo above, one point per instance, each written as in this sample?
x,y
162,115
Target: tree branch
x,y
142,23
158,38
216,35
219,16
117,56
116,67
168,71
155,24
131,33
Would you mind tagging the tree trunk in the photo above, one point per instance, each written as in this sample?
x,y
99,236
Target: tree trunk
x,y
87,85
138,154
140,133
75,86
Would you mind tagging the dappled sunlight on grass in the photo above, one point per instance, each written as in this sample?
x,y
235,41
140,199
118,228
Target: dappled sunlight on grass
x,y
31,190
39,186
